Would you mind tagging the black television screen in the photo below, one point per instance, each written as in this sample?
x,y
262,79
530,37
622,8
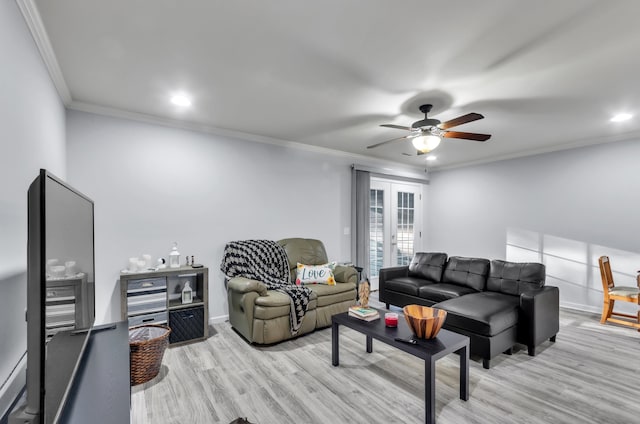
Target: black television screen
x,y
60,292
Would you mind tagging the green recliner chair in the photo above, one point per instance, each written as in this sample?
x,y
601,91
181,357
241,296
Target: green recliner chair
x,y
262,316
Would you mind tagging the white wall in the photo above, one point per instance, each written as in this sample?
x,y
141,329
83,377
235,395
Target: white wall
x,y
565,209
153,185
32,136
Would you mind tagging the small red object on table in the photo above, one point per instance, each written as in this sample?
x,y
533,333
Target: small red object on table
x,y
391,319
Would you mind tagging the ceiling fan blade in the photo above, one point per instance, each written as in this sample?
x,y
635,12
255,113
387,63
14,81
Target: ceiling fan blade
x,y
469,117
393,139
467,135
398,127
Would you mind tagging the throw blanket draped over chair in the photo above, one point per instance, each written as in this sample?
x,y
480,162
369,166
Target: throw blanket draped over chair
x,y
266,261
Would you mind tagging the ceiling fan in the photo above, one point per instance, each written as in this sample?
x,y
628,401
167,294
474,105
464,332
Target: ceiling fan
x,y
426,134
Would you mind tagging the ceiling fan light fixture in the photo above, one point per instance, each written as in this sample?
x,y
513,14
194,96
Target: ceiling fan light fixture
x,y
426,143
425,135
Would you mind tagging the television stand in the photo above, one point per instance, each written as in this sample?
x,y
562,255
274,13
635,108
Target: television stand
x,y
95,329
100,392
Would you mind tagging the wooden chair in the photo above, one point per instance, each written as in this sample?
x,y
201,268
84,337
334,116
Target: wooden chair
x,y
613,293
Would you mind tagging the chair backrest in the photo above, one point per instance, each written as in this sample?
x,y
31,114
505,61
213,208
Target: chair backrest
x,y
605,273
304,251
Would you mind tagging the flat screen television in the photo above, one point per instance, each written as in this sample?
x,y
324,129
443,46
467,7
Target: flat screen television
x,y
60,294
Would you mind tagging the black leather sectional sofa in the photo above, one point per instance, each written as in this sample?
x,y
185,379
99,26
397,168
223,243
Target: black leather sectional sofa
x,y
497,304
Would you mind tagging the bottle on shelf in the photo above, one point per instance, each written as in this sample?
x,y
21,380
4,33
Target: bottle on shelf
x,y
174,256
187,293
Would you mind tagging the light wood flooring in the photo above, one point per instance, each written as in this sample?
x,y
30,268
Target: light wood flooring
x,y
590,375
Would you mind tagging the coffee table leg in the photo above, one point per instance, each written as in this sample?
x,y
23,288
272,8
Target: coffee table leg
x,y
464,372
369,344
430,390
335,346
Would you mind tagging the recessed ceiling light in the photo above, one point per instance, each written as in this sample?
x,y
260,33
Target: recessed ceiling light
x,y
431,158
621,117
181,100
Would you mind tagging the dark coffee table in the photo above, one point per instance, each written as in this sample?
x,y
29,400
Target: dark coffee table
x,y
430,350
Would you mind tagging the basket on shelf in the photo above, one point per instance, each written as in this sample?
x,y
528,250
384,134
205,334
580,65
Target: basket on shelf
x,y
147,344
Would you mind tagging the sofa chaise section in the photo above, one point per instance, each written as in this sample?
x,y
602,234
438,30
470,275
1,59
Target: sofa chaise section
x,y
496,303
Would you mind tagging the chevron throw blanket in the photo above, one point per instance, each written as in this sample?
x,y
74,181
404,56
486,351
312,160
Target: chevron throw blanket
x,y
266,261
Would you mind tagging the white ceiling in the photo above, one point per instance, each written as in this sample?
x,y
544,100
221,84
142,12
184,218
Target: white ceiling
x,y
546,74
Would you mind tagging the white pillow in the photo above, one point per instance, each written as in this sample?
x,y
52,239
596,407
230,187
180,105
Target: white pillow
x,y
316,274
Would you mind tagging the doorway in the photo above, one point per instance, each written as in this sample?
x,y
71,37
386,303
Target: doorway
x,y
395,224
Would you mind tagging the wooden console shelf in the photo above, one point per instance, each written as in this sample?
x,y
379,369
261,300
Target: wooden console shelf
x,y
155,297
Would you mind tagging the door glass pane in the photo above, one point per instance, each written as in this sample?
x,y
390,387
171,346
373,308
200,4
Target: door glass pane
x,y
404,228
376,232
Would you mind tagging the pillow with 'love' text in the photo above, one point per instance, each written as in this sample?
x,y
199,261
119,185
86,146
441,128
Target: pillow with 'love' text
x,y
316,274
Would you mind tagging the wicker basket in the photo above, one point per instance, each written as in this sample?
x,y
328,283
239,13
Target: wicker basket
x,y
147,344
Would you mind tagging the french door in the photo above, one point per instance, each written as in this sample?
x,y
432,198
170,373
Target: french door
x,y
395,224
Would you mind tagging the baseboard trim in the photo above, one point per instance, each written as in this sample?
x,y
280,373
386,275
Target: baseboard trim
x,y
581,307
218,319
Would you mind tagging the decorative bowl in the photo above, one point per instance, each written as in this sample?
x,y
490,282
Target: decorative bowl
x,y
425,322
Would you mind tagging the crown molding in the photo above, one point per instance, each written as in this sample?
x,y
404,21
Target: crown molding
x,y
31,16
575,144
192,126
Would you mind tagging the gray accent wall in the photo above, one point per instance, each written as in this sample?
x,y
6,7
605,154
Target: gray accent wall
x,y
32,136
153,185
564,209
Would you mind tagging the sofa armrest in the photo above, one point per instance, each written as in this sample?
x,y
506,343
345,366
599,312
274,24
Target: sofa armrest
x,y
540,316
387,274
245,285
392,272
345,274
241,307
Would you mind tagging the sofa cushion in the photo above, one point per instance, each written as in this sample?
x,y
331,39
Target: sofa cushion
x,y
484,313
442,291
328,295
428,266
515,278
276,298
468,272
325,290
407,285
